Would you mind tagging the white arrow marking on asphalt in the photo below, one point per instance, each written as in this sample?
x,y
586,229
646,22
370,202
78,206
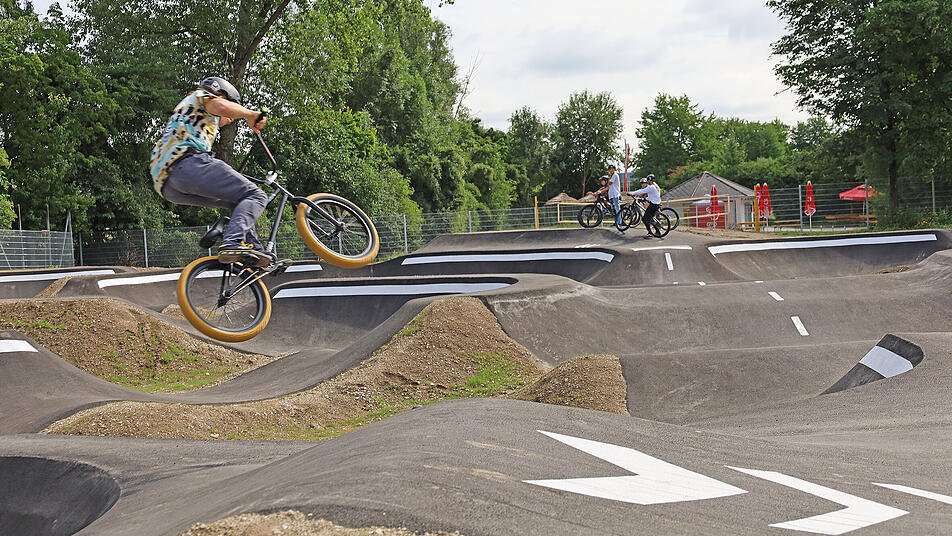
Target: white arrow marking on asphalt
x,y
918,492
859,512
656,481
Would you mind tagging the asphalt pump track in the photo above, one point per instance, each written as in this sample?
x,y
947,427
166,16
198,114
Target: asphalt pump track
x,y
774,386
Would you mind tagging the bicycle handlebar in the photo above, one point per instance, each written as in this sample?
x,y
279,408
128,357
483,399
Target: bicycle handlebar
x,y
267,151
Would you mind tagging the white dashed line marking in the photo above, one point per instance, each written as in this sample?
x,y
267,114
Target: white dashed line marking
x,y
799,324
702,283
758,281
667,259
775,296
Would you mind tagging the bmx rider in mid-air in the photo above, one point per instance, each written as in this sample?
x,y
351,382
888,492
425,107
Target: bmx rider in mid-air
x,y
185,172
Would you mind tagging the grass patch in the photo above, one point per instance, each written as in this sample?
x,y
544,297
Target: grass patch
x,y
497,374
43,323
266,431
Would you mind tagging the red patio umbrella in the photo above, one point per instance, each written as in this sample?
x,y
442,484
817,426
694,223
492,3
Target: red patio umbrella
x,y
858,193
810,202
768,208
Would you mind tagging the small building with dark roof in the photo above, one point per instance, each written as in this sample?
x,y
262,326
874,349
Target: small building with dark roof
x,y
699,187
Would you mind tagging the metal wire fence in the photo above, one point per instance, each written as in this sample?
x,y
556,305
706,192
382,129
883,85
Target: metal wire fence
x,y
35,249
402,233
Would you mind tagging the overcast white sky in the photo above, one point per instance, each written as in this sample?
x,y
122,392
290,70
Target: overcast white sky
x,y
537,52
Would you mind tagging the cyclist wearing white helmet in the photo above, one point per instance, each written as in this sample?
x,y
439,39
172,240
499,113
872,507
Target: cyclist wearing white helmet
x,y
185,172
651,191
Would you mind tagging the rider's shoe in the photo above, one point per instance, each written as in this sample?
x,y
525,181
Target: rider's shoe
x,y
246,254
648,236
214,233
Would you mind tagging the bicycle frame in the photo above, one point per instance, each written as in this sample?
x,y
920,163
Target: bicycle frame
x,y
271,179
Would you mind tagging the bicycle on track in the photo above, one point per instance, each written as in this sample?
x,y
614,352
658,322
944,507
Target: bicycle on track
x,y
631,214
230,302
592,215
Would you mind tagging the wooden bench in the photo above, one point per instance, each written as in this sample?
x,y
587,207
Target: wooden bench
x,y
849,218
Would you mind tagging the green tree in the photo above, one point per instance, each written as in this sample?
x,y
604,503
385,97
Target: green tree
x,y
530,149
879,68
669,136
586,128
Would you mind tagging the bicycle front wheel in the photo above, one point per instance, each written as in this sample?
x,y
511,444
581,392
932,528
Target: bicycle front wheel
x,y
623,222
227,302
661,225
342,235
590,216
672,216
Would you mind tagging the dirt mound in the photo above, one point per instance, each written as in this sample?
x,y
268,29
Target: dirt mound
x,y
455,348
589,382
54,288
121,343
291,523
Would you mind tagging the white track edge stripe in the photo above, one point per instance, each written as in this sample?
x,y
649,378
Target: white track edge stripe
x,y
511,257
886,362
808,244
147,279
667,260
775,296
662,247
388,290
15,345
49,276
917,492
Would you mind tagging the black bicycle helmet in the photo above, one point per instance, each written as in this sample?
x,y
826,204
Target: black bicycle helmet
x,y
220,87
650,177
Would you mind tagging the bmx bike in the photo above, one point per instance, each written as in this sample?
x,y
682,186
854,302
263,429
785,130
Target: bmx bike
x,y
661,225
230,302
592,215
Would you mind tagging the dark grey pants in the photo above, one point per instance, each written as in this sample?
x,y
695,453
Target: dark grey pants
x,y
202,180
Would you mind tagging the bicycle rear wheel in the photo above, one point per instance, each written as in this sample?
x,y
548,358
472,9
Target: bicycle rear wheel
x,y
661,225
224,301
349,240
590,216
672,216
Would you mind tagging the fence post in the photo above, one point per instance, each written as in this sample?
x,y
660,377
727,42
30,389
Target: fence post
x,y
145,247
469,216
406,242
81,262
536,207
800,201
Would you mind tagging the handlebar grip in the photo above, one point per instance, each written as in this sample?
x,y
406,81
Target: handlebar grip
x,y
261,116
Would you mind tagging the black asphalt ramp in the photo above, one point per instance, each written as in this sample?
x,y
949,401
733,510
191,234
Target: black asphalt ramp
x,y
52,497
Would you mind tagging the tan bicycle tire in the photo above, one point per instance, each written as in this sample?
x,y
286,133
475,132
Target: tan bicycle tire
x,y
207,329
322,251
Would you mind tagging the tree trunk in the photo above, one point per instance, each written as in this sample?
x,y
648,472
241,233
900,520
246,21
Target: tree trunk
x,y
893,204
582,175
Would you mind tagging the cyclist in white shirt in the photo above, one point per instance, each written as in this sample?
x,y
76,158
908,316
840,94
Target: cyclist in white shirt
x,y
649,189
